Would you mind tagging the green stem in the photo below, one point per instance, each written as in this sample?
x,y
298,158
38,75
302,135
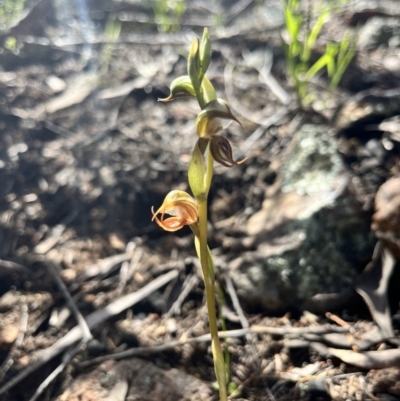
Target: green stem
x,y
210,296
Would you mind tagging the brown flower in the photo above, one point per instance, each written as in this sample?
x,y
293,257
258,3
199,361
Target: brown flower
x,y
181,206
221,151
215,117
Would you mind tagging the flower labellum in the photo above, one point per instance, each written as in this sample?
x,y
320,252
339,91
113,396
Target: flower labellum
x,y
181,206
215,117
221,151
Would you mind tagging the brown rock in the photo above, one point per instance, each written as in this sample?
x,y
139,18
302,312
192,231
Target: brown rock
x,y
8,334
386,220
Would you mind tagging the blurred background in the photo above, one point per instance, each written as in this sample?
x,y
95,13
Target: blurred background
x,y
86,150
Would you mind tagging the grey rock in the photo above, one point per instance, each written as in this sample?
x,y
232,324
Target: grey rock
x,y
311,235
379,31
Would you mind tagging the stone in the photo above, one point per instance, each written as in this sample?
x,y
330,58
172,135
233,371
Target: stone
x,y
135,380
386,219
311,236
379,31
8,336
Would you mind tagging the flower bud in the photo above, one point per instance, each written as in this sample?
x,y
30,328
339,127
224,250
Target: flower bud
x,y
194,64
221,151
215,117
181,206
204,53
180,87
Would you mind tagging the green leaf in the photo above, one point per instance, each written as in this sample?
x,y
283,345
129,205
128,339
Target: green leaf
x,y
232,387
293,24
313,35
342,66
344,46
331,50
317,66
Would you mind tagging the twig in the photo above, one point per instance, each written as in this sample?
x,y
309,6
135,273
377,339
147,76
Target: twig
x,y
243,321
38,322
298,331
337,319
263,123
8,264
128,269
63,132
123,278
93,320
67,358
266,76
164,347
389,236
6,365
135,38
104,266
87,335
248,114
373,287
187,286
236,303
49,243
207,337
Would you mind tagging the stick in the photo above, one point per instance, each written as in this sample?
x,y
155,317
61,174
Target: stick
x,y
188,285
6,365
104,266
66,360
87,335
93,320
207,337
243,321
236,303
337,319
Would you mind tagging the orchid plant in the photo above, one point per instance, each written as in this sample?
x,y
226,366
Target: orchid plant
x,y
210,146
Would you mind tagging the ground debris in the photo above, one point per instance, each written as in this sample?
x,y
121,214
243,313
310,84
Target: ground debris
x,y
86,150
135,380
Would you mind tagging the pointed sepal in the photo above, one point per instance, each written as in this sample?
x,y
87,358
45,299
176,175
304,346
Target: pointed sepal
x,y
180,87
221,151
215,117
